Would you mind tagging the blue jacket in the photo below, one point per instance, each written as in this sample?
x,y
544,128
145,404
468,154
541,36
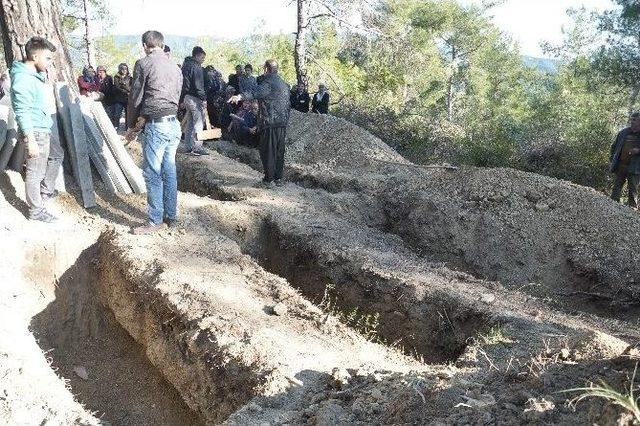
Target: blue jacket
x,y
616,150
28,99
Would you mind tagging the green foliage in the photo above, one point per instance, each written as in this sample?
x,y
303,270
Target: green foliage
x,y
494,336
364,323
439,81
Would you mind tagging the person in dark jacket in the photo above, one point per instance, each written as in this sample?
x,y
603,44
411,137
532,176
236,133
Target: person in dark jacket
x,y
121,90
154,98
272,95
244,124
320,103
194,99
247,82
105,81
625,161
234,79
300,99
215,92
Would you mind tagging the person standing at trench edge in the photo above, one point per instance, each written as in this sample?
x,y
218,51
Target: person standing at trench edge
x,y
153,105
624,161
272,94
28,98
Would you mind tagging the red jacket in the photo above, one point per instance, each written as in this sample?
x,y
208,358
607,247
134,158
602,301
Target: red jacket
x,y
86,87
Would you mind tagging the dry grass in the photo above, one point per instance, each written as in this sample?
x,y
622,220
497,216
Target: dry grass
x,y
628,401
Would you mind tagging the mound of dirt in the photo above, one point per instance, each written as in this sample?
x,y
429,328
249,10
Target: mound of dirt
x,y
570,244
333,142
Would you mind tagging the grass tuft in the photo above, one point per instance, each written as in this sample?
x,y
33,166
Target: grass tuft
x,y
627,401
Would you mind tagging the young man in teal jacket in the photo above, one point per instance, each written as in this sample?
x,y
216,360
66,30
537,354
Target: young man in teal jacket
x,y
28,98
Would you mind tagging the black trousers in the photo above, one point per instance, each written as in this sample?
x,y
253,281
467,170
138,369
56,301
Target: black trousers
x,y
272,142
633,184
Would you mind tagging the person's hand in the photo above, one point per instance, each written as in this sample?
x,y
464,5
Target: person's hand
x,y
33,150
140,122
235,99
253,130
131,135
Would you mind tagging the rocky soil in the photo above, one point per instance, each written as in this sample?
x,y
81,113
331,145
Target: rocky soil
x,y
367,290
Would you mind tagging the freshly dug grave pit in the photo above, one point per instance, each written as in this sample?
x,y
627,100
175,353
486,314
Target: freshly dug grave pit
x,y
106,369
337,267
85,369
296,233
557,241
223,331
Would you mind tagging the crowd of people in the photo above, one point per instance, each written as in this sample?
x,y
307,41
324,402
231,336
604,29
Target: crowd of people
x,y
252,110
165,103
204,96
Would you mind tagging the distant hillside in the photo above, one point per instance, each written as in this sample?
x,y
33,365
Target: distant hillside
x,y
542,64
181,46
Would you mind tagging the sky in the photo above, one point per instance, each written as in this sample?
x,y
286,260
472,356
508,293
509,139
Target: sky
x,y
529,22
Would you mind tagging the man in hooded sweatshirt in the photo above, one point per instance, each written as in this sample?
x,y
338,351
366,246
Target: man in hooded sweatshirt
x,y
29,101
194,99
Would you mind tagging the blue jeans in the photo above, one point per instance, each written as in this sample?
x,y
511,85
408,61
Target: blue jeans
x,y
159,168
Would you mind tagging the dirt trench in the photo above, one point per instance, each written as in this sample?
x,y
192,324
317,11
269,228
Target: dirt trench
x,y
103,367
242,316
557,241
343,269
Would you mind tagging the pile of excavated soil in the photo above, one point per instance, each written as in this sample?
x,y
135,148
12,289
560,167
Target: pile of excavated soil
x,y
556,240
322,141
333,142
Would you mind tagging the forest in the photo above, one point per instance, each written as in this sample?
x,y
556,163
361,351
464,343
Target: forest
x,y
438,81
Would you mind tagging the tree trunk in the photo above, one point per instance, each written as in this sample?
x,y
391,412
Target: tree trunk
x,y
22,19
635,91
88,39
300,49
451,84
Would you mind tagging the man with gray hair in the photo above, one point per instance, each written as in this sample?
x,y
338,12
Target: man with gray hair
x,y
272,95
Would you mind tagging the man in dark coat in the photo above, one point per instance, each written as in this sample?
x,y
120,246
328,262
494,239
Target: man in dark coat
x,y
234,79
121,90
300,99
272,95
320,103
625,161
194,99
